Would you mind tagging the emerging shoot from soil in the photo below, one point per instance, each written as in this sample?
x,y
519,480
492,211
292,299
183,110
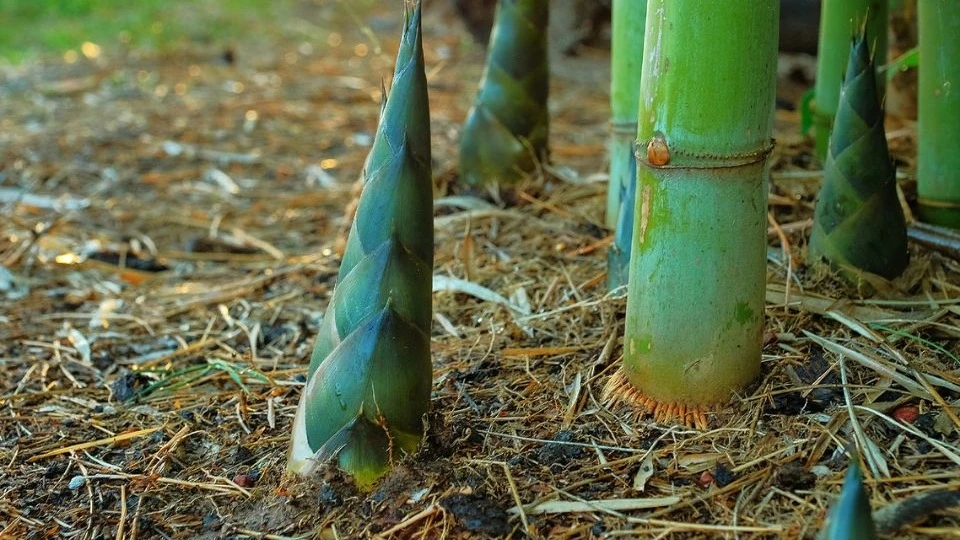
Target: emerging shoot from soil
x,y
859,224
505,135
368,385
850,517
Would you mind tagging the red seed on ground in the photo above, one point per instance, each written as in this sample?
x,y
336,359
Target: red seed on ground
x,y
706,479
907,413
243,481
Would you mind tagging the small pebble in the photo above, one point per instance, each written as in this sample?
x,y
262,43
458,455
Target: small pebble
x,y
210,521
171,148
723,475
77,482
821,471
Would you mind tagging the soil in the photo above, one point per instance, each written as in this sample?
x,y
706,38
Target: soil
x,y
168,246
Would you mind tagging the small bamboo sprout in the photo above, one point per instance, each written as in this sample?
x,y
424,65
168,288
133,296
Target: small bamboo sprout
x,y
858,223
850,517
368,385
505,135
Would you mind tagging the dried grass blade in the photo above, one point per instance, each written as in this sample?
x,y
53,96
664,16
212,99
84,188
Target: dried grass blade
x,y
92,444
463,201
871,363
608,505
820,305
452,284
876,461
951,452
855,325
574,391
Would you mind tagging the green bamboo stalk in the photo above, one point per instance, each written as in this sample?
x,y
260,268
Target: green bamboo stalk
x,y
696,293
858,223
850,518
618,256
626,56
839,21
629,20
938,168
368,384
505,135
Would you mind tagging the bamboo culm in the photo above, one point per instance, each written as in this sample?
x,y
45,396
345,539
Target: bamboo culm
x,y
629,20
938,163
696,292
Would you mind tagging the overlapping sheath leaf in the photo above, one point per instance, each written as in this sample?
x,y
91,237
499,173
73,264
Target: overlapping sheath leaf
x,y
506,130
850,517
858,223
368,385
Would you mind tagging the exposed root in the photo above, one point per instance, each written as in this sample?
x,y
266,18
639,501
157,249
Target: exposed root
x,y
619,389
900,514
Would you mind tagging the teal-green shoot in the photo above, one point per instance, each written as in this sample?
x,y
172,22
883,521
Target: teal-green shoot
x,y
505,135
858,224
850,517
368,384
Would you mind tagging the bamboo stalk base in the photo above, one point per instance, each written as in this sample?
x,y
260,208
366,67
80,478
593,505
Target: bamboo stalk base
x,y
619,390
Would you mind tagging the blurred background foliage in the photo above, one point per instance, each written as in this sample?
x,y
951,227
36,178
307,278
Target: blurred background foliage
x,y
32,29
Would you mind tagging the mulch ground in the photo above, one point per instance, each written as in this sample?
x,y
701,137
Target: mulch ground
x,y
169,243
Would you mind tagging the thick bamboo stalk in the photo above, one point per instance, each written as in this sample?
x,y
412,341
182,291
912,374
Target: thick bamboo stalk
x,y
859,224
839,21
368,385
629,20
938,170
505,135
697,275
